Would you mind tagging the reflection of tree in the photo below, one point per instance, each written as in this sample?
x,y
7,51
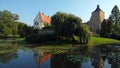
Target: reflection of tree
x,y
76,60
7,57
101,53
114,59
7,53
74,57
67,61
57,61
112,53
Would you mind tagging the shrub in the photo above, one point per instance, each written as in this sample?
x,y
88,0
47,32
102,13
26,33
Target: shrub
x,y
38,38
115,36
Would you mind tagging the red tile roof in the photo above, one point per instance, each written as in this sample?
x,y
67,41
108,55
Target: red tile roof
x,y
45,18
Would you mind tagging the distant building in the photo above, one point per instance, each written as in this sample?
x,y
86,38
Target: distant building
x,y
41,20
96,20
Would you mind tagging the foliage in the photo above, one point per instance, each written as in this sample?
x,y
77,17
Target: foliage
x,y
111,27
25,30
39,38
84,33
46,26
106,28
115,15
115,18
66,25
8,25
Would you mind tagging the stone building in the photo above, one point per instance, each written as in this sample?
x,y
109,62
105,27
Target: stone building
x,y
96,19
41,20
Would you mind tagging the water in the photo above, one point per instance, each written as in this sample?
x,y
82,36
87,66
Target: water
x,y
68,56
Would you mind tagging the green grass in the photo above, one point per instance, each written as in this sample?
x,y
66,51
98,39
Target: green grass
x,y
20,39
11,40
53,49
99,40
93,41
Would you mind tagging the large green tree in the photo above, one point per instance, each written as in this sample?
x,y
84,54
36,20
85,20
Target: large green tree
x,y
25,30
115,17
8,25
106,28
67,26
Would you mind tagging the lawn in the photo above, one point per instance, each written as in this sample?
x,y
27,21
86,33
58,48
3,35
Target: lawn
x,y
11,40
99,40
93,41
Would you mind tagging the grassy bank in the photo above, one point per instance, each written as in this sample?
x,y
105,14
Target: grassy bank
x,y
12,40
93,41
99,40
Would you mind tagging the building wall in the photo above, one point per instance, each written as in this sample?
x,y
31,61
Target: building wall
x,y
46,31
96,20
38,22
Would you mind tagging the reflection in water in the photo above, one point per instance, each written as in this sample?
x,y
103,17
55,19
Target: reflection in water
x,y
97,60
113,56
75,58
105,56
39,59
7,53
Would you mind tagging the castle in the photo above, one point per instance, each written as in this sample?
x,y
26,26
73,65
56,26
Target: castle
x,y
96,19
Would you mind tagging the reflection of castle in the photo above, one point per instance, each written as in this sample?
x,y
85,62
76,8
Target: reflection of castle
x,y
39,59
96,60
99,56
96,20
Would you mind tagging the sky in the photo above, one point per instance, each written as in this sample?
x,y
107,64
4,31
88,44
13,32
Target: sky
x,y
28,9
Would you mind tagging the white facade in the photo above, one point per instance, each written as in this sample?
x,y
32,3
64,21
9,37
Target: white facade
x,y
38,22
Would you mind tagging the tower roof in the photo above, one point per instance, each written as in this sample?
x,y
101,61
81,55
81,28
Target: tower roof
x,y
97,9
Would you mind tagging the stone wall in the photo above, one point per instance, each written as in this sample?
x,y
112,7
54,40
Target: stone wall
x,y
46,31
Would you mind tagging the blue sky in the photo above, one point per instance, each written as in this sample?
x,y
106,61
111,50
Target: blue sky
x,y
28,9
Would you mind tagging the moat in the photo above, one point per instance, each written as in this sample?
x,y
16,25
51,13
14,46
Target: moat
x,y
68,56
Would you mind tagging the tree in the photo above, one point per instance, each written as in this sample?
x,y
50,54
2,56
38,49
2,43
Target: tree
x,y
106,28
25,30
66,26
8,24
21,27
115,17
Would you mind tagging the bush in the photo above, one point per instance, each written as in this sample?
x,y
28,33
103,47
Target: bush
x,y
115,36
38,38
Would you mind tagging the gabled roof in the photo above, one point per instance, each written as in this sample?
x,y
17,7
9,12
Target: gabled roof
x,y
45,19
